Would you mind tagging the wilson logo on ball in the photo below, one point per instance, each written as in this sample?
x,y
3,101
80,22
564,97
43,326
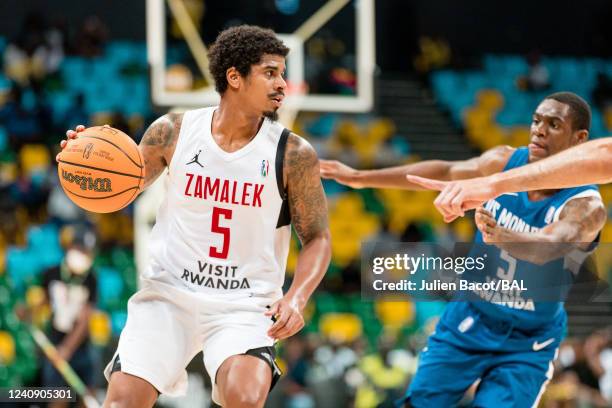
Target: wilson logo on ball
x,y
88,183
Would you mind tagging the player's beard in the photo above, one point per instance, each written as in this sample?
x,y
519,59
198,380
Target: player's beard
x,y
272,115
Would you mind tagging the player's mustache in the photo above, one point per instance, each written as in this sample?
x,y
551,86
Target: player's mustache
x,y
275,94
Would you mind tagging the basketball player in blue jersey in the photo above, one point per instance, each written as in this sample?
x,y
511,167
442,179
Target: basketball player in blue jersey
x,y
237,181
508,347
587,163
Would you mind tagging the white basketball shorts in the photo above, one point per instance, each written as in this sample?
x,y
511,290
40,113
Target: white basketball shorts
x,y
167,326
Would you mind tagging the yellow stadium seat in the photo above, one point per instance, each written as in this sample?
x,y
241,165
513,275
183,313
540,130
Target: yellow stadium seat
x,y
292,257
7,348
380,130
340,327
463,229
380,374
490,99
2,260
349,225
606,232
519,136
606,193
495,135
608,117
34,158
101,118
35,296
394,314
99,328
366,396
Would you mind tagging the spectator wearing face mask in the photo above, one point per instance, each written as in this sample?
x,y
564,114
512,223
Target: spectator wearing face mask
x,y
71,292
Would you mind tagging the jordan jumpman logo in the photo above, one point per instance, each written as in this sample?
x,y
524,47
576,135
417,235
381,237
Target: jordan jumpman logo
x,y
195,159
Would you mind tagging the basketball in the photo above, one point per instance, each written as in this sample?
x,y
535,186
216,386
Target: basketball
x,y
101,170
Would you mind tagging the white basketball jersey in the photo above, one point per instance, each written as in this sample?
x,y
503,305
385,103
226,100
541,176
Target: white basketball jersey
x,y
219,230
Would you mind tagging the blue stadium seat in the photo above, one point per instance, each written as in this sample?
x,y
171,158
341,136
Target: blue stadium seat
x,y
121,52
5,83
22,266
3,139
118,319
324,126
61,102
401,145
74,72
43,240
110,287
598,128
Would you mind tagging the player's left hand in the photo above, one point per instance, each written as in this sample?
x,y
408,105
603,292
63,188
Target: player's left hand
x,y
487,225
289,319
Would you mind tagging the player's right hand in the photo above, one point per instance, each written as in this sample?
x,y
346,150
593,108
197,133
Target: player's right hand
x,y
70,134
457,197
340,172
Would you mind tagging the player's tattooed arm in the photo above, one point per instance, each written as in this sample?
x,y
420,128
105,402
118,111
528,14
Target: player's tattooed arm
x,y
308,208
579,223
158,144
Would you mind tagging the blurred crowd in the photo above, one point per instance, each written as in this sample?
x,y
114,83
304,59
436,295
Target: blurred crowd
x,y
351,353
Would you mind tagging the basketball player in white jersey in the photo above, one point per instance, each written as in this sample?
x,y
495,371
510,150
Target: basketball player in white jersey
x,y
237,180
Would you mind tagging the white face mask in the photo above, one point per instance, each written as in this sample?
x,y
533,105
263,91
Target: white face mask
x,y
78,262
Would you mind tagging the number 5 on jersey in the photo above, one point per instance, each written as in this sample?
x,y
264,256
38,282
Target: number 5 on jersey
x,y
214,252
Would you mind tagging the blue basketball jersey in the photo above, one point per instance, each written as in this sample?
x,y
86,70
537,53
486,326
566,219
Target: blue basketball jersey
x,y
507,339
542,302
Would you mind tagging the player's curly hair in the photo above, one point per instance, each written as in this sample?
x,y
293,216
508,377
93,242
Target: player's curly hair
x,y
241,47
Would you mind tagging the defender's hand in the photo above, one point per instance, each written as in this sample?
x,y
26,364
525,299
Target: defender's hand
x,y
340,172
457,197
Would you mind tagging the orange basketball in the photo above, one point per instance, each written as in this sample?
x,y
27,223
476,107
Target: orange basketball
x,y
101,170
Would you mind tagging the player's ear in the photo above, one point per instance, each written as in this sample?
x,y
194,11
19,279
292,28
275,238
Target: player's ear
x,y
580,136
233,77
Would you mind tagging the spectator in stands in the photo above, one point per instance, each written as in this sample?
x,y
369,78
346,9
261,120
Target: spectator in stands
x,y
434,53
118,121
20,117
35,53
538,77
576,381
92,37
598,355
71,292
385,375
24,55
602,93
31,190
76,114
60,208
294,382
56,40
